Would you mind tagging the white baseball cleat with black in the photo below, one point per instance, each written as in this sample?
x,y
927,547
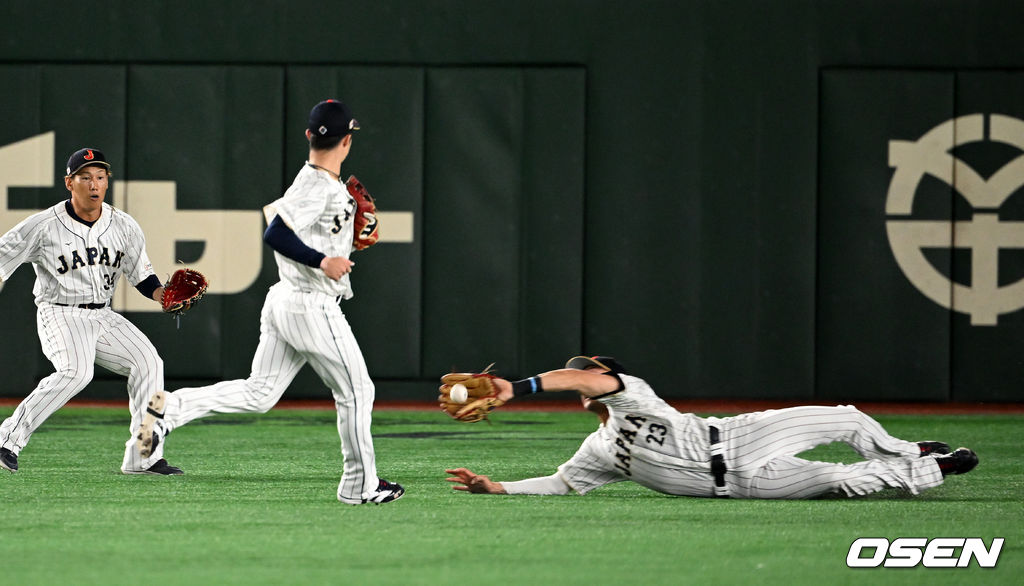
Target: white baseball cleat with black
x,y
149,432
386,492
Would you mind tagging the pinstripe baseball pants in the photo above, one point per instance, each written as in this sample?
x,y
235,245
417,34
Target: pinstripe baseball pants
x,y
298,328
760,452
74,339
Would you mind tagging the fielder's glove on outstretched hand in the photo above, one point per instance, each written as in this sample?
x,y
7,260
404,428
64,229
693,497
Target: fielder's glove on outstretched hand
x,y
183,290
364,227
483,396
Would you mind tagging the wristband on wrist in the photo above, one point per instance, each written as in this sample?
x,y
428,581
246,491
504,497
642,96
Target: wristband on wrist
x,y
527,386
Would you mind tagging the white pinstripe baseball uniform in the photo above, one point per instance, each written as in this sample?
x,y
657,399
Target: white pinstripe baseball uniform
x,y
78,264
302,323
647,441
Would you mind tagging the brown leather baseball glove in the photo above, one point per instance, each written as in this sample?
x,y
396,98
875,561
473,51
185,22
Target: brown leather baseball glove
x,y
482,396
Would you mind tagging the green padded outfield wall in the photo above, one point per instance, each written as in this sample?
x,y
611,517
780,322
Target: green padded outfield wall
x,y
803,200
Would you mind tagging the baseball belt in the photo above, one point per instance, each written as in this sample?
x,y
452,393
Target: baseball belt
x,y
84,305
718,468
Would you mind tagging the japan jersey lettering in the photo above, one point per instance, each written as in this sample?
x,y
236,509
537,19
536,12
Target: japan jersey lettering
x,y
75,263
320,211
644,440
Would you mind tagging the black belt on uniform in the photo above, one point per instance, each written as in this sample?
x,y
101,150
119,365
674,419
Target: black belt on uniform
x,y
84,305
337,298
718,468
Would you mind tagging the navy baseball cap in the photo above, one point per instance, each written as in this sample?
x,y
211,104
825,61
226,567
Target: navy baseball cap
x,y
606,362
331,118
84,158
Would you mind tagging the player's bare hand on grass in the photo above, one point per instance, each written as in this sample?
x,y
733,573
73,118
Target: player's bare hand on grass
x,y
335,267
467,480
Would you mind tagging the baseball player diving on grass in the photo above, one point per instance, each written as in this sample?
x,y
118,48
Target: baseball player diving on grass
x,y
313,228
749,456
79,249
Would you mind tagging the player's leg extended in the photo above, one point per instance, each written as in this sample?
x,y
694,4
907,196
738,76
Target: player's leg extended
x,y
789,477
336,357
68,337
274,366
125,350
758,437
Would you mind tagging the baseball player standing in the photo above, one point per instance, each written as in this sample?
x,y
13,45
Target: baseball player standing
x,y
751,456
79,249
311,232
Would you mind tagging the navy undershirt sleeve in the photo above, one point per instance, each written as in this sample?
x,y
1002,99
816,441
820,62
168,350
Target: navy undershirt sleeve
x,y
281,238
150,284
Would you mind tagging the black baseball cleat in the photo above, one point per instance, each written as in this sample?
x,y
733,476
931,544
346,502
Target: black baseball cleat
x,y
959,462
929,448
386,492
8,460
162,467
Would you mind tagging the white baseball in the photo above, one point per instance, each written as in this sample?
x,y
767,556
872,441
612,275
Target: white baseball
x,y
459,393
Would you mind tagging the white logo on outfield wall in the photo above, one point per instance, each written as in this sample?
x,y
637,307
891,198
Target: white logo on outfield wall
x,y
984,234
232,240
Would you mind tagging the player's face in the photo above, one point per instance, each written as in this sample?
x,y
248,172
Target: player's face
x,y
88,187
592,406
596,407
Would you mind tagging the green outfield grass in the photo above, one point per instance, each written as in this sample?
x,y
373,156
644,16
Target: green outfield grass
x,y
257,506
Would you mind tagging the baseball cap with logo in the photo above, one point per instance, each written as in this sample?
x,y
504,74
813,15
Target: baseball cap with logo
x,y
331,118
607,362
85,157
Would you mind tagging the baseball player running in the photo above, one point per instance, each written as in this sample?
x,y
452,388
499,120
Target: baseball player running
x,y
643,439
79,249
311,232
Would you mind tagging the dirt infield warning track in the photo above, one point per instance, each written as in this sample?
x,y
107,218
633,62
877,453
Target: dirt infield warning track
x,y
687,406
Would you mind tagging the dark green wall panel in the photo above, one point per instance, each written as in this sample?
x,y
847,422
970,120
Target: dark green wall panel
x,y
552,200
877,336
946,206
486,181
987,360
222,147
472,218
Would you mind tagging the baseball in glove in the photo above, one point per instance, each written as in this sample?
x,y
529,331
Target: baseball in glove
x,y
183,290
364,230
482,395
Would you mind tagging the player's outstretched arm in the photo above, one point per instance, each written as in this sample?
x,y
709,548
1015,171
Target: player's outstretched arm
x,y
470,397
469,481
588,383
